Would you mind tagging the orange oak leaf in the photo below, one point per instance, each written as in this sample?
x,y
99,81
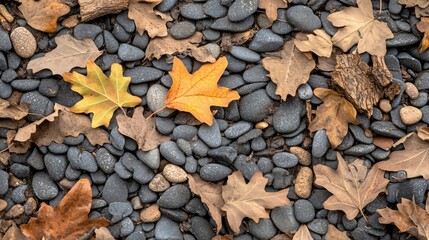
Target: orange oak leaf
x,y
102,95
67,221
195,93
271,7
352,185
423,26
43,15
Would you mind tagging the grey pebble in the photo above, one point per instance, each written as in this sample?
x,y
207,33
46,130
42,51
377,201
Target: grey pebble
x,y
105,160
115,189
111,44
215,9
120,33
244,54
263,230
223,154
20,170
5,43
125,22
224,24
210,135
37,104
287,118
193,11
120,210
175,197
3,62
402,40
319,226
386,129
284,219
182,30
25,85
48,87
127,52
201,228
44,187
213,172
360,149
167,229
241,9
151,158
84,30
255,74
18,194
166,5
55,165
164,125
266,40
303,18
253,107
191,165
304,211
4,182
232,81
285,160
156,96
9,75
172,153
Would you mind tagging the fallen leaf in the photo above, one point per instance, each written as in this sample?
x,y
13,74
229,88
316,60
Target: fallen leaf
x,y
421,12
68,220
12,110
362,85
334,233
234,39
423,26
423,132
195,93
359,26
13,233
383,143
281,237
102,95
271,7
226,237
411,160
210,194
303,233
103,234
409,218
58,125
319,43
333,115
249,200
43,14
289,68
352,185
148,19
168,45
414,3
141,130
68,54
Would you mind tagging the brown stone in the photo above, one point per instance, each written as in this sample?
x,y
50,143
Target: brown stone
x,y
411,90
304,157
174,174
150,214
410,115
16,211
384,105
23,42
3,205
304,182
30,206
159,183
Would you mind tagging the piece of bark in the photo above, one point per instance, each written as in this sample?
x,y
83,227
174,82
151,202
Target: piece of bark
x,y
92,9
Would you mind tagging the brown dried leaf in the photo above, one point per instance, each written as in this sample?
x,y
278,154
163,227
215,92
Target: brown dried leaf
x,y
281,237
68,220
12,110
43,15
103,234
289,68
334,233
412,159
141,130
249,200
13,233
226,237
302,234
68,54
148,19
210,194
421,12
271,7
408,218
383,142
423,26
414,3
423,132
168,45
319,43
352,185
333,115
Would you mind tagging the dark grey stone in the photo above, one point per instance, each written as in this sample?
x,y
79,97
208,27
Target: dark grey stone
x,y
44,187
172,153
266,40
37,104
263,230
213,172
127,52
304,211
241,9
182,30
224,24
253,107
303,18
284,219
175,197
201,228
84,30
105,160
115,189
55,165
167,229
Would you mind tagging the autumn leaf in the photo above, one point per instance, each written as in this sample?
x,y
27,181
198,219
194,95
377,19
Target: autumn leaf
x,y
302,234
249,200
210,194
226,237
271,7
423,132
195,93
68,220
148,19
289,68
319,43
68,54
334,233
333,115
411,160
103,234
168,45
352,185
141,130
423,26
12,110
102,95
409,218
13,233
43,14
414,3
359,26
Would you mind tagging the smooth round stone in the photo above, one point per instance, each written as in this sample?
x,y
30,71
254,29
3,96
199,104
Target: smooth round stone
x,y
174,173
120,210
105,160
253,107
37,104
5,90
115,189
156,96
5,43
182,30
213,172
110,42
4,182
166,229
287,118
244,54
151,158
20,170
210,135
256,74
172,153
284,219
185,132
214,49
241,9
304,211
193,11
285,160
84,30
125,22
166,5
201,228
237,129
320,144
175,197
127,52
159,183
55,165
410,115
142,74
215,9
25,85
23,42
44,187
263,230
319,226
402,40
224,24
9,75
18,194
303,18
305,92
265,40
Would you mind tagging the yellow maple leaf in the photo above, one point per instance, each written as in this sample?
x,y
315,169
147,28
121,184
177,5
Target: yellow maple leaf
x,y
102,95
195,93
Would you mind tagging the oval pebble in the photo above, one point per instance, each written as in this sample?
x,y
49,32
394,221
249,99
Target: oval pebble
x,y
23,42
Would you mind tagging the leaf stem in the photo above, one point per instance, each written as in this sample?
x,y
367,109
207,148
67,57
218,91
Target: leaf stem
x,y
8,147
381,6
157,111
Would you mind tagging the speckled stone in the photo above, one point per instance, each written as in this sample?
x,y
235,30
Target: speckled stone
x,y
23,42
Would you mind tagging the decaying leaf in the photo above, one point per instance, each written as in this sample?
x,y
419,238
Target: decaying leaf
x,y
43,15
141,130
103,234
195,93
281,237
271,7
249,200
226,237
359,26
210,194
334,233
383,143
289,68
58,125
102,95
421,12
412,159
333,115
302,234
12,110
362,85
234,39
67,221
68,54
352,185
13,233
168,45
409,218
414,3
423,132
423,26
148,19
319,43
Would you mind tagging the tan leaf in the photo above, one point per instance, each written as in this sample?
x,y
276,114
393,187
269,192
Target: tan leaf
x,y
103,234
168,45
302,234
408,218
383,143
421,12
210,194
414,3
141,130
359,26
333,115
271,7
412,159
226,237
334,233
249,200
423,132
319,43
281,237
352,185
59,124
403,139
148,19
423,26
12,110
68,54
289,68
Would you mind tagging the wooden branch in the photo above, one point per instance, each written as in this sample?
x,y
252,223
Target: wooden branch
x,y
92,9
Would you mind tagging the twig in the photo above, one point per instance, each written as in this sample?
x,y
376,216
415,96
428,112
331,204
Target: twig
x,y
157,111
